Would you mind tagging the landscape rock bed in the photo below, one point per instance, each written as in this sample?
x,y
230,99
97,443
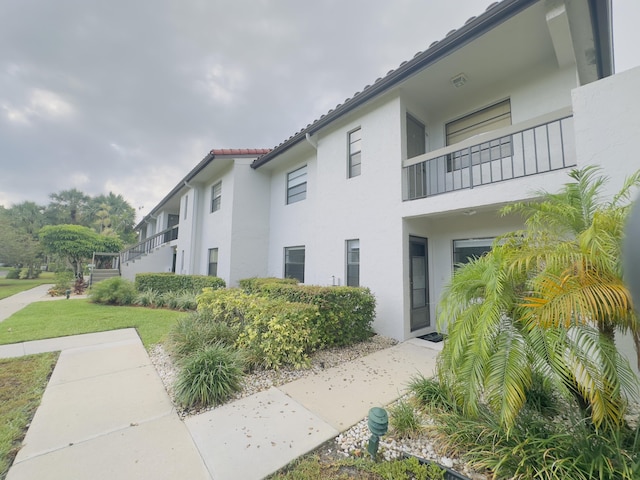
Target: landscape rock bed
x,y
352,442
260,380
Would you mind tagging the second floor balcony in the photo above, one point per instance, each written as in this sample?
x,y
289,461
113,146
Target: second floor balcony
x,y
147,245
540,145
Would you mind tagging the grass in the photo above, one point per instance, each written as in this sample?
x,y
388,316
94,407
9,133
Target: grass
x,y
60,318
22,383
11,287
313,467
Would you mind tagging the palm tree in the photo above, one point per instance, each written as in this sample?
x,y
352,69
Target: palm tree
x,y
68,207
547,300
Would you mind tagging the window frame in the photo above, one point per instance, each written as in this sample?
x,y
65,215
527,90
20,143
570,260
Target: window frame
x,y
213,250
216,200
483,152
291,197
352,154
482,241
350,264
287,264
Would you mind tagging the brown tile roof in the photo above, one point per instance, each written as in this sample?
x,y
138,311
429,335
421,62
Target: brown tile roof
x,y
240,151
394,75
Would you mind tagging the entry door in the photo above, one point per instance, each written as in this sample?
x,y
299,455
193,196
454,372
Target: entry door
x,y
419,282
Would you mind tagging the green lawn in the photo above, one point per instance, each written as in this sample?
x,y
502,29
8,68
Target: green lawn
x,y
11,287
70,317
22,383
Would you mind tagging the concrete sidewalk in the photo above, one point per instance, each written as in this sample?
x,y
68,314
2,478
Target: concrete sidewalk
x,y
257,435
105,413
10,305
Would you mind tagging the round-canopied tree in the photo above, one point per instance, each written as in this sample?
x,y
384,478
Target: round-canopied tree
x,y
76,243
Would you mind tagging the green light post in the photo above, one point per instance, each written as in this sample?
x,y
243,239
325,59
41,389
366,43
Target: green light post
x,y
378,424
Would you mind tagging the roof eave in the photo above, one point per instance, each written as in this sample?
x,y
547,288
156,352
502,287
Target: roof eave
x,y
465,34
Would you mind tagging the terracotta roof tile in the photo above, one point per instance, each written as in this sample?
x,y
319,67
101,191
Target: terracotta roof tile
x,y
403,65
240,151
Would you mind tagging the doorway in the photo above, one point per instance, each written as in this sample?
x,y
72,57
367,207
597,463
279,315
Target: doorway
x,y
419,282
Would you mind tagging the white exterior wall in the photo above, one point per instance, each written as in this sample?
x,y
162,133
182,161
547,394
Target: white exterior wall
x,y
215,227
160,260
337,208
188,241
607,126
291,225
250,224
533,93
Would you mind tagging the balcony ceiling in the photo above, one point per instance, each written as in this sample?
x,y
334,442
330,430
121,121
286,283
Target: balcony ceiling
x,y
519,45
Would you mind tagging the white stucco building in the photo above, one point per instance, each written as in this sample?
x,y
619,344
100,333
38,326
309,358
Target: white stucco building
x,y
393,187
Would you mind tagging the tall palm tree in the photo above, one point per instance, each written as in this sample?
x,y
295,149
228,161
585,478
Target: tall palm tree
x,y
546,300
68,207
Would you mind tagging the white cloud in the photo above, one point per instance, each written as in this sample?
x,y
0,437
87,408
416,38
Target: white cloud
x,y
79,179
224,83
41,103
48,104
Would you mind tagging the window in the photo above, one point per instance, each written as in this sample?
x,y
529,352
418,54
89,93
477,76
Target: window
x,y
485,120
355,152
416,144
186,205
216,196
213,262
297,185
353,263
466,250
294,263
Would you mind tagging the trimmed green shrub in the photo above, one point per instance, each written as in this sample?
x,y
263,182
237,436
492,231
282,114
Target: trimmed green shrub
x,y
255,284
198,330
228,306
346,313
113,291
279,332
273,331
27,273
170,282
209,376
13,274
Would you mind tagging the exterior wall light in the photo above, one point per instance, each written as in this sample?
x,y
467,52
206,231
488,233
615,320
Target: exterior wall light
x,y
378,424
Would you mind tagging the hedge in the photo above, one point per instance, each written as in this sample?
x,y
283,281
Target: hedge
x,y
273,331
170,282
345,313
256,284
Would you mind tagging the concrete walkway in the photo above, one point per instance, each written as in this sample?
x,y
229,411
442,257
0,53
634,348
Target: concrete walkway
x,y
105,414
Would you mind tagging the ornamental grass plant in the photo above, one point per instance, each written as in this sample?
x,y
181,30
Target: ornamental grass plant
x,y
209,376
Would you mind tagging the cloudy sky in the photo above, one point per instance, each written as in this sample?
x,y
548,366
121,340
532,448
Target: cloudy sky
x,y
128,95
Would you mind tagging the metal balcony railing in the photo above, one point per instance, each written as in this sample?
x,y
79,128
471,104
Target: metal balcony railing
x,y
539,146
149,244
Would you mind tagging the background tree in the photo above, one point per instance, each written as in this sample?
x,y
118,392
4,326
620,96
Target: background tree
x,y
112,213
27,217
544,303
76,244
67,207
18,248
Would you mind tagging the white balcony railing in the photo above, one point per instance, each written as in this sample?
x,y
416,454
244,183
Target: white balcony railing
x,y
149,244
537,146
